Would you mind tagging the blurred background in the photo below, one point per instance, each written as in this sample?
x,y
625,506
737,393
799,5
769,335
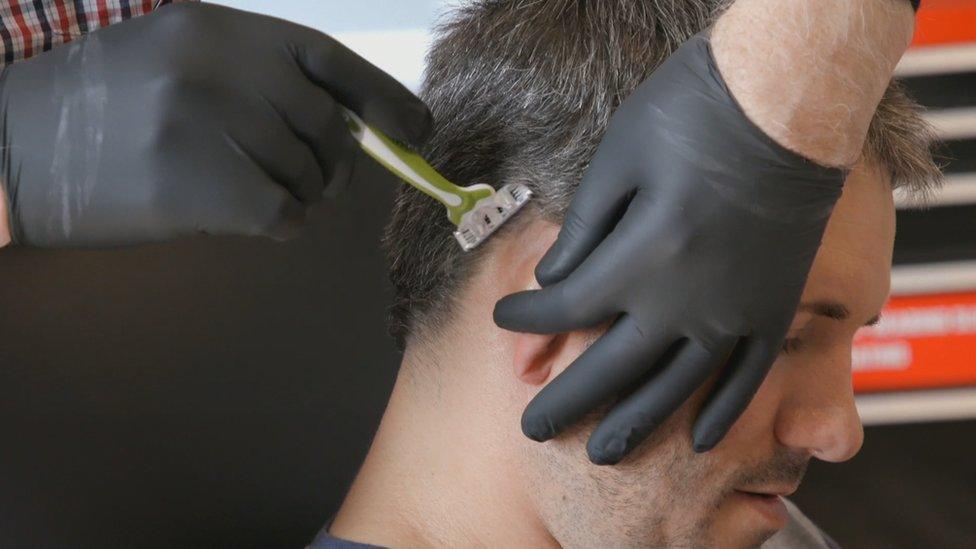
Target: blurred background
x,y
221,393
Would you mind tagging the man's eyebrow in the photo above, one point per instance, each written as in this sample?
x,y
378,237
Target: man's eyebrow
x,y
833,310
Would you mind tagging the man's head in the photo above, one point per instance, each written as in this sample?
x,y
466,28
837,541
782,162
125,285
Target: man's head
x,y
522,92
665,494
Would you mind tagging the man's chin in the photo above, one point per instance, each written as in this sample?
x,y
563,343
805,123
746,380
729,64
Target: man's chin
x,y
743,537
748,520
760,538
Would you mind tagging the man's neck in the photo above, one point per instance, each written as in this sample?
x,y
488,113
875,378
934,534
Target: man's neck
x,y
439,473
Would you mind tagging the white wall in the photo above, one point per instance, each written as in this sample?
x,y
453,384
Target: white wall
x,y
392,34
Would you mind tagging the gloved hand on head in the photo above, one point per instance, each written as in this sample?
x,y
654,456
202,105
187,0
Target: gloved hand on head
x,y
696,232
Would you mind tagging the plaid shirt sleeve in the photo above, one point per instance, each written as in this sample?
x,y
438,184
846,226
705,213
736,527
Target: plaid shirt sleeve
x,y
29,27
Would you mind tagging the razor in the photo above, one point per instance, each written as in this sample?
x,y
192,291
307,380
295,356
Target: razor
x,y
477,210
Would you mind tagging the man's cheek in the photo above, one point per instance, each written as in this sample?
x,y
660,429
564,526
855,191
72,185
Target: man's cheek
x,y
754,430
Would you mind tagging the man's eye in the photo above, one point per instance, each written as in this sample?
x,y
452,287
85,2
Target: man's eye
x,y
791,345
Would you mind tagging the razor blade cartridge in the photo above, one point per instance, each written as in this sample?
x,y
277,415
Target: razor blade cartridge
x,y
490,213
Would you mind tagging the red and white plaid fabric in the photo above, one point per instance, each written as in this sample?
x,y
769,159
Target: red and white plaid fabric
x,y
29,27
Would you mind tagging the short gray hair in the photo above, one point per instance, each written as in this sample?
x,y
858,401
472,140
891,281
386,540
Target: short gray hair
x,y
523,90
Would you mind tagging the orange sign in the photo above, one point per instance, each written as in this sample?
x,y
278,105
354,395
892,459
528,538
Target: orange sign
x,y
945,22
921,342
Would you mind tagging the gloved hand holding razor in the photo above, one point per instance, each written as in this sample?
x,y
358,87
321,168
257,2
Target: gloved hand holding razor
x,y
194,119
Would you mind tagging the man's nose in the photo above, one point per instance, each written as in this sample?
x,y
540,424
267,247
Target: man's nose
x,y
817,414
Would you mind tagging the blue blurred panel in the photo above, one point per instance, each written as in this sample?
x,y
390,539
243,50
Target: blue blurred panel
x,y
393,35
345,15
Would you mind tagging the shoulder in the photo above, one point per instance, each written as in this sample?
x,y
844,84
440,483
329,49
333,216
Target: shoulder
x,y
324,540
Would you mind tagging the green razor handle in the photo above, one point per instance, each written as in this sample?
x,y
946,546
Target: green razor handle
x,y
413,169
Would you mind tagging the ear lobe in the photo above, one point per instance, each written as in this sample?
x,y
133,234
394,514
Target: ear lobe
x,y
534,355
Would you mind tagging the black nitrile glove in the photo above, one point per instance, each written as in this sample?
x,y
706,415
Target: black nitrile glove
x,y
194,119
697,230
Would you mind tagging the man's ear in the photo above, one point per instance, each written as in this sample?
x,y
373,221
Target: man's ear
x,y
535,355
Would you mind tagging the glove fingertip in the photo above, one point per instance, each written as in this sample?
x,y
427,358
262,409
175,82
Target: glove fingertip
x,y
578,237
704,439
701,447
286,223
606,452
510,311
546,275
552,268
289,229
537,427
